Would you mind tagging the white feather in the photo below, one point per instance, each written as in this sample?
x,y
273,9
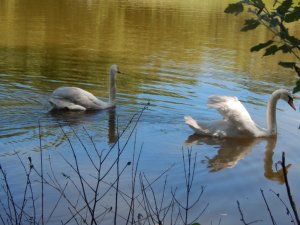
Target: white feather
x,y
74,98
236,120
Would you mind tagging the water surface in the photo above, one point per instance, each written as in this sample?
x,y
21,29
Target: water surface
x,y
174,54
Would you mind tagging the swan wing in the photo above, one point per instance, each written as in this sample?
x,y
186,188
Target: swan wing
x,y
216,129
77,96
236,120
233,111
63,104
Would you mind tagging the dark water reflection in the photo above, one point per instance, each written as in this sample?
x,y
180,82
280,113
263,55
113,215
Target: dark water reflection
x,y
275,174
231,151
174,55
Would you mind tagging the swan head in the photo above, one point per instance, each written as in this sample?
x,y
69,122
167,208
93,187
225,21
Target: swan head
x,y
286,96
114,69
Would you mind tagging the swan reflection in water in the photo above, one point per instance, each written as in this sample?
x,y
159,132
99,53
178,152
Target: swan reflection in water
x,y
232,150
78,118
269,173
112,133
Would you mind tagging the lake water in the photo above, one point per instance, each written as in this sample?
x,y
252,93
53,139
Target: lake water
x,y
174,54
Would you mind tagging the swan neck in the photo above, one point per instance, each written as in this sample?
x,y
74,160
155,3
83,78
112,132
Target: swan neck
x,y
112,88
271,114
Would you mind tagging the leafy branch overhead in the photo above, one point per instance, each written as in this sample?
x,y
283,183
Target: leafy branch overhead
x,y
276,18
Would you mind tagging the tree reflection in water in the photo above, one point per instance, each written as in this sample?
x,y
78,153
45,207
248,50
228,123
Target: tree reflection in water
x,y
80,119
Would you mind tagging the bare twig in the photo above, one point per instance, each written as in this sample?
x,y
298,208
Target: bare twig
x,y
288,212
10,199
268,208
288,190
118,180
42,171
242,216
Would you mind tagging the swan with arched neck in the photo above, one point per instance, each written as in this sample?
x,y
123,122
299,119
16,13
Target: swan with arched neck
x,y
237,122
74,98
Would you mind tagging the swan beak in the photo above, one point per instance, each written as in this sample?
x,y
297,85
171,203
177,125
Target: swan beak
x,y
291,103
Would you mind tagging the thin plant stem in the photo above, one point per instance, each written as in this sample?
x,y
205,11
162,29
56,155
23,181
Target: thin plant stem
x,y
242,216
288,212
268,208
10,198
288,190
42,172
118,180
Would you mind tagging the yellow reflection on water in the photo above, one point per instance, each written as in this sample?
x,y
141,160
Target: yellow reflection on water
x,y
59,38
125,26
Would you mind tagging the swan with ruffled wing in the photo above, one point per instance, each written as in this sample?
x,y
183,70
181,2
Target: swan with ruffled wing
x,y
237,122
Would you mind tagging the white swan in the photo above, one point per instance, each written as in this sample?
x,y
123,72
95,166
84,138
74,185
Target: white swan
x,y
236,119
74,98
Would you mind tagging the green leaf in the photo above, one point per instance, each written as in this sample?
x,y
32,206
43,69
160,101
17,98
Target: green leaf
x,y
259,4
283,33
250,24
287,64
297,69
196,224
284,7
285,48
235,8
274,22
293,16
275,2
271,50
294,41
297,87
260,46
